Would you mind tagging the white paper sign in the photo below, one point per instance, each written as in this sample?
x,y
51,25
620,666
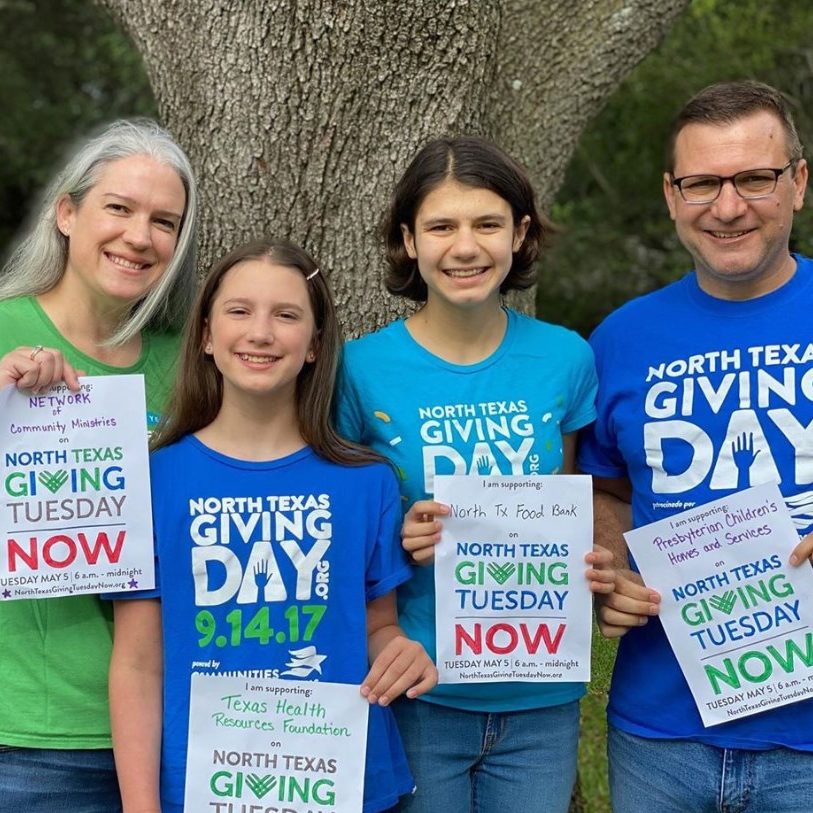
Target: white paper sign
x,y
738,617
262,744
75,510
511,598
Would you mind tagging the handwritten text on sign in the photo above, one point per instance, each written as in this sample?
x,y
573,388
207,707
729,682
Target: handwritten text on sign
x,y
75,505
512,602
738,617
267,744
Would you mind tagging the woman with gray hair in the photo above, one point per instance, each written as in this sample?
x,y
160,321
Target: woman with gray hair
x,y
100,282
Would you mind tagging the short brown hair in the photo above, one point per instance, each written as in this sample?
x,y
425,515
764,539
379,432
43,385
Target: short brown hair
x,y
479,164
727,102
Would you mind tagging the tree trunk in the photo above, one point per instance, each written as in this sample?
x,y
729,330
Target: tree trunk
x,y
299,115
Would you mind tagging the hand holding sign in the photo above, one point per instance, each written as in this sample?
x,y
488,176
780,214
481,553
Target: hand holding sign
x,y
803,551
512,602
630,604
36,369
76,515
401,666
737,616
421,530
601,576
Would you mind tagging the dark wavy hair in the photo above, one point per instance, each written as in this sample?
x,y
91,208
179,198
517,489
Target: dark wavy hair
x,y
727,102
479,164
198,392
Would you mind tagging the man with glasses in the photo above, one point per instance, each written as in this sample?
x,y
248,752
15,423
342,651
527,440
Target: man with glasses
x,y
705,388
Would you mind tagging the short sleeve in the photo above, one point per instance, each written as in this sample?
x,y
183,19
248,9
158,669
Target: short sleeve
x,y
596,455
387,565
582,406
598,451
347,406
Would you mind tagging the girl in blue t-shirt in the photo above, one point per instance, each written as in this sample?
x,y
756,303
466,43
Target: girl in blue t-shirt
x,y
467,386
276,540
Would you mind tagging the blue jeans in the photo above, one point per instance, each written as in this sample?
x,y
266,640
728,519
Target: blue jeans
x,y
39,780
678,776
481,762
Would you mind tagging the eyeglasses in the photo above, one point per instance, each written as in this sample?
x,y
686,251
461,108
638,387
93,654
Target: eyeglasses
x,y
749,184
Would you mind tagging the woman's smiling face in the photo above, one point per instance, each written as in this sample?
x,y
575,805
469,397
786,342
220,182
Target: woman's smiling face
x,y
122,235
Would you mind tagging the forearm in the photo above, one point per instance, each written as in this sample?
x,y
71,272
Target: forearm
x,y
631,603
612,518
135,716
136,685
397,664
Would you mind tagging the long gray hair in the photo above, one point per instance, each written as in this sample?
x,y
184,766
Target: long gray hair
x,y
37,260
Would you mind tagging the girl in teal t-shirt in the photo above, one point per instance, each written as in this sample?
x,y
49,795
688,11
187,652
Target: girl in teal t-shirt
x,y
466,385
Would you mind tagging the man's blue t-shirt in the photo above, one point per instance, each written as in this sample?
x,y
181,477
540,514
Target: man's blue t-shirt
x,y
700,397
503,415
298,545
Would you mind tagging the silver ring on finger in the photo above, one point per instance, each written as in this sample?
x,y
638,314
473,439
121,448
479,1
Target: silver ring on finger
x,y
35,352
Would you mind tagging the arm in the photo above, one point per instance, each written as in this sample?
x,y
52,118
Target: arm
x,y
398,663
630,603
612,516
601,575
36,368
136,681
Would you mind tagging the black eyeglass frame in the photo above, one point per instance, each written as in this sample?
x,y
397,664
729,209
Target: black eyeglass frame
x,y
678,182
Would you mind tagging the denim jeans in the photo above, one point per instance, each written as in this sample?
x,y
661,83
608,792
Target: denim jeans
x,y
39,780
489,762
678,776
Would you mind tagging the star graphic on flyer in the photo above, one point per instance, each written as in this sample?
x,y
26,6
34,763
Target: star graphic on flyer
x,y
7,593
133,583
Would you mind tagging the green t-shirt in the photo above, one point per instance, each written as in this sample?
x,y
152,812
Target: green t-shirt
x,y
54,653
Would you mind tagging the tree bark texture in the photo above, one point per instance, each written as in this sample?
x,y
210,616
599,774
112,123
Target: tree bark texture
x,y
300,115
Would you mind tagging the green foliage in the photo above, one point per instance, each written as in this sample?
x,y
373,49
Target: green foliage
x,y
64,67
618,241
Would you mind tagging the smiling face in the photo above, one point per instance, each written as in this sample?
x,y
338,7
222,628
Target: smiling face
x,y
740,247
122,235
463,241
260,330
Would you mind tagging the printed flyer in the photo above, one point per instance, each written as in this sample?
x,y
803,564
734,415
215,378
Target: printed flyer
x,y
75,513
736,614
511,599
275,745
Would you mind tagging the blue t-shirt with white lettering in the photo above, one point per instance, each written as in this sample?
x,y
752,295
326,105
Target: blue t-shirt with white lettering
x,y
267,568
700,397
504,415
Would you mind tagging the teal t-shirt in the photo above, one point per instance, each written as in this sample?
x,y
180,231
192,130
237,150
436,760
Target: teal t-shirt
x,y
504,415
55,652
